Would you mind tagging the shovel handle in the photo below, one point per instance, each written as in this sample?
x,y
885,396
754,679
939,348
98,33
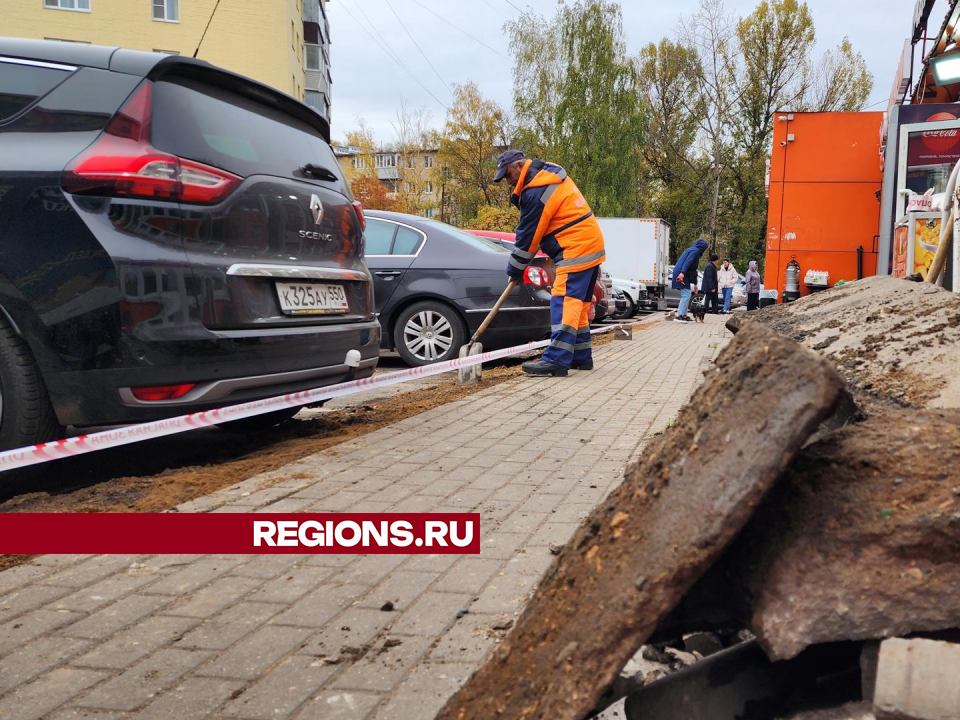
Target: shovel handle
x,y
496,308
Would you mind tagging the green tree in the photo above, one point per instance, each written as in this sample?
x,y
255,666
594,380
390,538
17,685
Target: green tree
x,y
577,102
674,177
600,111
775,42
539,70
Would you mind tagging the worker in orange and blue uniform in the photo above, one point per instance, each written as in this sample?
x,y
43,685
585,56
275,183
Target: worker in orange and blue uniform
x,y
555,218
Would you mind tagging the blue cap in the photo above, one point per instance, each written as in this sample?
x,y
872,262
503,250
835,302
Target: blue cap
x,y
506,158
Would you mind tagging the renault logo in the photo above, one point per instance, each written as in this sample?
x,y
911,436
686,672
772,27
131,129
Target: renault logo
x,y
316,207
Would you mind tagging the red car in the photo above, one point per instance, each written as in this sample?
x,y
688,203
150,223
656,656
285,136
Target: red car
x,y
599,307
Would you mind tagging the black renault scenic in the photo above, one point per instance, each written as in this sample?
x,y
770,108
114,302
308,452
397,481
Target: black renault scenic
x,y
173,237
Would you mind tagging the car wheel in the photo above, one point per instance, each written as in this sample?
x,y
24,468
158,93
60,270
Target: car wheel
x,y
631,308
26,415
259,423
428,332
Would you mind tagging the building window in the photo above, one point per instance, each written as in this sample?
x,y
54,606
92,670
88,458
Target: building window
x,y
410,161
314,56
359,163
428,187
316,100
428,212
166,10
428,160
384,161
408,187
81,5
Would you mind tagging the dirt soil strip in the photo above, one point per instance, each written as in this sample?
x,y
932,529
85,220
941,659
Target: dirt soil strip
x,y
164,473
638,553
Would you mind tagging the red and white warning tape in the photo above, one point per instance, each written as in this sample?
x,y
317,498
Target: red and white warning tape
x,y
81,444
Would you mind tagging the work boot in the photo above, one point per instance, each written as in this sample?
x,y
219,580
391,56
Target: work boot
x,y
544,369
587,365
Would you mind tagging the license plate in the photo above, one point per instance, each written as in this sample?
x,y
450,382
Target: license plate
x,y
312,298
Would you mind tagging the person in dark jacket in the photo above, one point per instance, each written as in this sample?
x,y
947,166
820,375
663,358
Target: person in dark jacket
x,y
710,286
752,286
685,275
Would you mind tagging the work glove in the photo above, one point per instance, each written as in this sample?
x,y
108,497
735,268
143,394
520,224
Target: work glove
x,y
514,273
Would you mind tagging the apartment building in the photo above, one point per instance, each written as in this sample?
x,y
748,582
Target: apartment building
x,y
282,43
410,174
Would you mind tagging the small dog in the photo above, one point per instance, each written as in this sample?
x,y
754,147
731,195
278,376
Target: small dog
x,y
698,309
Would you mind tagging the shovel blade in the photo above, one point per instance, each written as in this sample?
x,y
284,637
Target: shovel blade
x,y
472,374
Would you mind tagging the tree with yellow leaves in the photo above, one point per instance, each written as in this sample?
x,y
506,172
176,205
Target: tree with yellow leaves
x,y
476,131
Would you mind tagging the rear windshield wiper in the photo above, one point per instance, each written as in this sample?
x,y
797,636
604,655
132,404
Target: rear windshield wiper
x,y
321,173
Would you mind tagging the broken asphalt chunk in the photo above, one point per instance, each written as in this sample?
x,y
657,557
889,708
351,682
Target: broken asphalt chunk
x,y
841,552
589,615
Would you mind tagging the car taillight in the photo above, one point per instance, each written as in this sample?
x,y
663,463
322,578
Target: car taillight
x,y
162,392
122,163
536,276
358,208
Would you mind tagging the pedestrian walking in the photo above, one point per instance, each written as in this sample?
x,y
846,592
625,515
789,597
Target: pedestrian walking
x,y
711,286
728,277
555,218
685,276
752,286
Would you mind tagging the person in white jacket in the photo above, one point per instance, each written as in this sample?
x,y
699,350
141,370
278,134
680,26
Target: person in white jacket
x,y
728,277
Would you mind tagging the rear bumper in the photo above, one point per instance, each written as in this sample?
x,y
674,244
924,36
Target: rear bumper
x,y
233,368
223,391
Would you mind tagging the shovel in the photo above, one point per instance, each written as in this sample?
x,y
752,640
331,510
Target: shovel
x,y
470,375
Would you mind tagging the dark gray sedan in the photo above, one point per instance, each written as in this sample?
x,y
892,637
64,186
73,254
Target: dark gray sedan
x,y
434,284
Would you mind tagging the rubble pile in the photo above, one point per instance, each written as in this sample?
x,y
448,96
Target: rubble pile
x,y
896,343
811,497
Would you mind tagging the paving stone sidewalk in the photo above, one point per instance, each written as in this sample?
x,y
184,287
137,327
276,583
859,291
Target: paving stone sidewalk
x,y
305,636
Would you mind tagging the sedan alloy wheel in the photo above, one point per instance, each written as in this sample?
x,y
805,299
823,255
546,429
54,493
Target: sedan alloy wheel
x,y
428,335
429,332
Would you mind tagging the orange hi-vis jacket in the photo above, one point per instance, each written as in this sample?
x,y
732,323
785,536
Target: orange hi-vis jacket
x,y
555,218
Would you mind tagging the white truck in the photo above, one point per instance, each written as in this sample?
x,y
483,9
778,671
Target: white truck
x,y
638,257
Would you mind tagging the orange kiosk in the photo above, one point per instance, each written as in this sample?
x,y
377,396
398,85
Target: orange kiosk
x,y
824,198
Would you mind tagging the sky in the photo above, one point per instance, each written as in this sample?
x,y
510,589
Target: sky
x,y
441,42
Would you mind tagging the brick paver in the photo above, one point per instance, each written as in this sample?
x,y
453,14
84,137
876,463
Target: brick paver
x,y
304,636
